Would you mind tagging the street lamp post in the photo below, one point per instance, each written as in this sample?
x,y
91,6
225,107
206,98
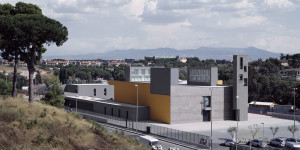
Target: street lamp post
x,y
294,110
237,122
211,125
76,102
137,104
263,130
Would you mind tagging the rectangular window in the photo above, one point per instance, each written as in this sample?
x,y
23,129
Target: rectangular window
x,y
112,111
245,82
241,76
206,101
94,92
241,63
119,113
245,68
105,110
104,91
126,114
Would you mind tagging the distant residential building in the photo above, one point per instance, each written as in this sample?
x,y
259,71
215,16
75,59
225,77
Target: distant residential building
x,y
55,62
116,62
284,62
88,63
290,74
4,62
183,60
129,60
159,57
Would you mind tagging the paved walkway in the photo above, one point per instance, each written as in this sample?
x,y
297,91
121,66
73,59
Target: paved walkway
x,y
220,127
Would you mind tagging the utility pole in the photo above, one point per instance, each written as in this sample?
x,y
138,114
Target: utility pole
x,y
294,111
263,130
137,104
211,125
237,123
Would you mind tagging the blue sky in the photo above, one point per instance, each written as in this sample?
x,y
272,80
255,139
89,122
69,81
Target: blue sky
x,y
97,26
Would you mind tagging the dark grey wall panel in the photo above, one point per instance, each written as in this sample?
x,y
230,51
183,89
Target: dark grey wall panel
x,y
160,81
71,88
107,108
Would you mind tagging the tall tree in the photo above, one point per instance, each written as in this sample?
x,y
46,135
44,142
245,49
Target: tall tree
x,y
32,32
9,45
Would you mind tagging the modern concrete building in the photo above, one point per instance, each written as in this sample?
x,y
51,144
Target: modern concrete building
x,y
137,74
161,98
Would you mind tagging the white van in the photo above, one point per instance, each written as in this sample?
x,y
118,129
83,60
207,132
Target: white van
x,y
151,142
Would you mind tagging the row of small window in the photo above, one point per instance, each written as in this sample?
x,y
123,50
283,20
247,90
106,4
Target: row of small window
x,y
199,78
104,92
242,64
141,71
112,112
245,79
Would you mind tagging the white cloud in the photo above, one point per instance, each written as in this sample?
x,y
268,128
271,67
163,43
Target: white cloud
x,y
279,3
246,21
103,25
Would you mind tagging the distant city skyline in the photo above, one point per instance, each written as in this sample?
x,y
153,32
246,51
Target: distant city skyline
x,y
97,26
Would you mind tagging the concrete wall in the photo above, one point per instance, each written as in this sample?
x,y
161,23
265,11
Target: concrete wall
x,y
240,87
186,103
162,79
88,90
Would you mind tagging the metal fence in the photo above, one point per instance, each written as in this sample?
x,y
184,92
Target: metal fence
x,y
246,147
182,136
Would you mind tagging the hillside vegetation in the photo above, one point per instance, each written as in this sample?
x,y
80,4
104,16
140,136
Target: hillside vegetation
x,y
38,126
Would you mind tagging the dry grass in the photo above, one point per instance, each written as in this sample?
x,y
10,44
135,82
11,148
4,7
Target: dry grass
x,y
37,126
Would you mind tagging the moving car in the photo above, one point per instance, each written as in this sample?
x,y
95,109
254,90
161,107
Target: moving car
x,y
228,142
292,143
258,143
150,142
279,141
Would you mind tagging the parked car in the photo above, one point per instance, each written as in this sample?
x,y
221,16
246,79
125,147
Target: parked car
x,y
228,142
258,143
292,143
279,141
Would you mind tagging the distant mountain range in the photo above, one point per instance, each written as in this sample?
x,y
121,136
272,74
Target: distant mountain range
x,y
201,53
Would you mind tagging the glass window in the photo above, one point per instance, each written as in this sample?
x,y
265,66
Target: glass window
x,y
241,76
206,101
143,71
241,63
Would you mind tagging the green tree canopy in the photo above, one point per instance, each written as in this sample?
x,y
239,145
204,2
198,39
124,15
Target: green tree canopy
x,y
32,32
54,95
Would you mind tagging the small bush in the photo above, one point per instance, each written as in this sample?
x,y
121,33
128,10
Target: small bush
x,y
76,115
44,113
31,124
39,139
97,128
54,114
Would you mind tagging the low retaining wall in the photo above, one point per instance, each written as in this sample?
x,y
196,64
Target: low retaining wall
x,y
284,116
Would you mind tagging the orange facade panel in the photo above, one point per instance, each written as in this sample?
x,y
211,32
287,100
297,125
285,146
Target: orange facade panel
x,y
126,92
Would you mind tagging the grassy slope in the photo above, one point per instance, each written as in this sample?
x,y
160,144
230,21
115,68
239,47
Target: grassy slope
x,y
38,126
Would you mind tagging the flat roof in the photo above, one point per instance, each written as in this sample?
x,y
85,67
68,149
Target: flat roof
x,y
262,103
104,101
